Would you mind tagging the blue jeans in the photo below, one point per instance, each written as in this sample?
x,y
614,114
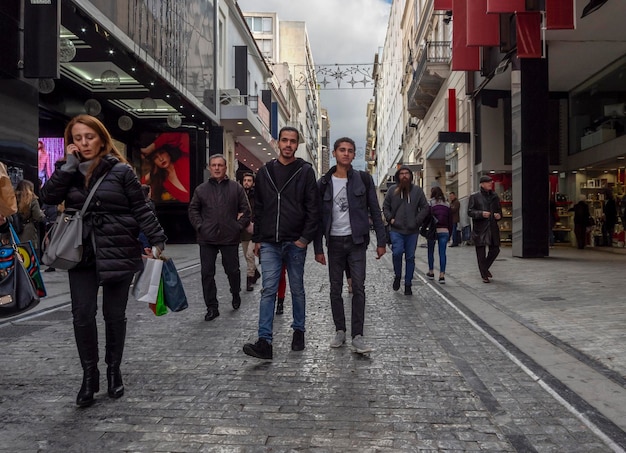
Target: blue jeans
x,y
403,244
455,234
273,255
442,242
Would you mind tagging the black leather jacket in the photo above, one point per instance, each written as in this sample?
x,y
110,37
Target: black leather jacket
x,y
485,231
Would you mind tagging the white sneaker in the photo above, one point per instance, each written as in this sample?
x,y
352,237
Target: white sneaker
x,y
339,340
360,346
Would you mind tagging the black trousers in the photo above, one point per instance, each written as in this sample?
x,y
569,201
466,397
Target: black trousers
x,y
485,260
344,254
84,293
230,261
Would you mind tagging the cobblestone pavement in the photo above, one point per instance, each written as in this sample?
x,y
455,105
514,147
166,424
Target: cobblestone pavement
x,y
436,382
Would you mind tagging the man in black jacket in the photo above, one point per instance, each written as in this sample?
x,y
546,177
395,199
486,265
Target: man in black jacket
x,y
286,219
485,210
219,211
348,202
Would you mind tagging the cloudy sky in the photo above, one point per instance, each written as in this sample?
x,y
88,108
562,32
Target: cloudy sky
x,y
340,32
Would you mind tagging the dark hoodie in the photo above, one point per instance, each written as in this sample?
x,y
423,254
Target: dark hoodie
x,y
408,212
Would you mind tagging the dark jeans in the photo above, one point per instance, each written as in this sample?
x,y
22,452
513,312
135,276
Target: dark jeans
x,y
580,231
485,261
84,294
230,261
344,254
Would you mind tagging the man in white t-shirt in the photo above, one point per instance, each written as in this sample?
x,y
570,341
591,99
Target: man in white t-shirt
x,y
348,203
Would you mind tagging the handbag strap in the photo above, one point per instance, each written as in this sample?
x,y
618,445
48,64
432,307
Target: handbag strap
x,y
92,193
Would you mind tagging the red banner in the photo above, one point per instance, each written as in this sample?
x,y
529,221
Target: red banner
x,y
505,6
445,5
464,58
529,35
451,110
482,29
560,14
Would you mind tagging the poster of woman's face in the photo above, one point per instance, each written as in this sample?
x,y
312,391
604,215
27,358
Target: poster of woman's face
x,y
164,166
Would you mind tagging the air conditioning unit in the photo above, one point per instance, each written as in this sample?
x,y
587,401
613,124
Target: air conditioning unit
x,y
231,96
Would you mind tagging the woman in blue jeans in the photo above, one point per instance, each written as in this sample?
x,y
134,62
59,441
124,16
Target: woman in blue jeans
x,y
441,210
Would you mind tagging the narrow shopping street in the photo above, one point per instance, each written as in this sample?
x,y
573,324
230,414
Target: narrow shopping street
x,y
436,382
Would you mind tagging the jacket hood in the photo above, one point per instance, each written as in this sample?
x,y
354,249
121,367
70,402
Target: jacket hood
x,y
404,167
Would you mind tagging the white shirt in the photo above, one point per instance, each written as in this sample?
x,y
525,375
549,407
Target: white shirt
x,y
340,225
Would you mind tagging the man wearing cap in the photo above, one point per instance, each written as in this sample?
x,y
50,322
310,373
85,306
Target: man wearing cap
x,y
485,210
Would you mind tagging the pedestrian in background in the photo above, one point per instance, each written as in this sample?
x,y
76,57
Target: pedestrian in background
x,y
111,251
219,211
405,208
485,210
443,213
29,212
287,218
582,221
455,208
348,202
252,273
609,217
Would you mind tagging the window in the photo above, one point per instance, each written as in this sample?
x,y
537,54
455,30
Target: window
x,y
259,24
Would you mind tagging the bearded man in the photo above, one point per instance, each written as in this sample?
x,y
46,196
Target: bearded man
x,y
405,208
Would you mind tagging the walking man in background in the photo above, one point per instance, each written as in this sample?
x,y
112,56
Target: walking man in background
x,y
252,274
286,220
405,208
485,210
348,202
219,212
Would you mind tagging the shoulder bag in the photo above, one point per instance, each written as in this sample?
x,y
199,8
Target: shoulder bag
x,y
65,238
17,291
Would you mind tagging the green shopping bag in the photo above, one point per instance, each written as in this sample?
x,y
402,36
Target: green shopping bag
x,y
159,308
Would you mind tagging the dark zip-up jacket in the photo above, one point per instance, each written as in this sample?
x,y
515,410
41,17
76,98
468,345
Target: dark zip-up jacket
x,y
287,213
485,231
116,214
362,205
219,211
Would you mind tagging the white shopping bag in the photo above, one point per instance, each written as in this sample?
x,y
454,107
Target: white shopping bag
x,y
146,287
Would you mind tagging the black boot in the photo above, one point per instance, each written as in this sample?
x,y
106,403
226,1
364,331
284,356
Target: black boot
x,y
256,275
115,338
279,305
87,344
249,283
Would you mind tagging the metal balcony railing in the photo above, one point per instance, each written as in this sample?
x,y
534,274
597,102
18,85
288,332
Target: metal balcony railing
x,y
434,52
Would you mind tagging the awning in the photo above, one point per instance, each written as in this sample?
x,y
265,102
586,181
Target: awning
x,y
249,131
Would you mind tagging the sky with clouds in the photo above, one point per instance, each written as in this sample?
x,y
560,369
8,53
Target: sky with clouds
x,y
340,32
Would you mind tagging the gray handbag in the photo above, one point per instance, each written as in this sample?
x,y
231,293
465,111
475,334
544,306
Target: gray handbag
x,y
65,238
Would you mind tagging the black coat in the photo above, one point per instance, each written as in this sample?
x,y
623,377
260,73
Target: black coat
x,y
117,212
219,211
485,231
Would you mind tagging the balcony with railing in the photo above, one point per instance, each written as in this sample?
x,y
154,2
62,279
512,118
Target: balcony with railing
x,y
433,67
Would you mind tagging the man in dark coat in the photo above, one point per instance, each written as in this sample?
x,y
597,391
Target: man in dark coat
x,y
485,210
455,207
252,274
219,211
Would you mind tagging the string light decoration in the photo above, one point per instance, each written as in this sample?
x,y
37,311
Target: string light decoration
x,y
336,77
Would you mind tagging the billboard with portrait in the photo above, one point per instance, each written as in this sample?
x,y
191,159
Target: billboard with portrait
x,y
49,151
162,161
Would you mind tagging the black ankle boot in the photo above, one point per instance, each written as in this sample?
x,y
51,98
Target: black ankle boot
x,y
115,338
249,283
115,383
87,344
279,305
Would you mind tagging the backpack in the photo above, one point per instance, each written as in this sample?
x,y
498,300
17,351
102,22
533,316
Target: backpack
x,y
429,227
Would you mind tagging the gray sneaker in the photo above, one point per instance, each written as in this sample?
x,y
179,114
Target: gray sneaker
x,y
339,340
360,346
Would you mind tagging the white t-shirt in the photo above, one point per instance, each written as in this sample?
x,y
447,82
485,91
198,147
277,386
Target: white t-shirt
x,y
340,225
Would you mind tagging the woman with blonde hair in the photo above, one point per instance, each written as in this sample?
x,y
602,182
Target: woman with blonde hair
x,y
111,251
29,212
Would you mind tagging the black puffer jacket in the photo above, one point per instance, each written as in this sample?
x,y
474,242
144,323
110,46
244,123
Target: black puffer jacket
x,y
116,214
